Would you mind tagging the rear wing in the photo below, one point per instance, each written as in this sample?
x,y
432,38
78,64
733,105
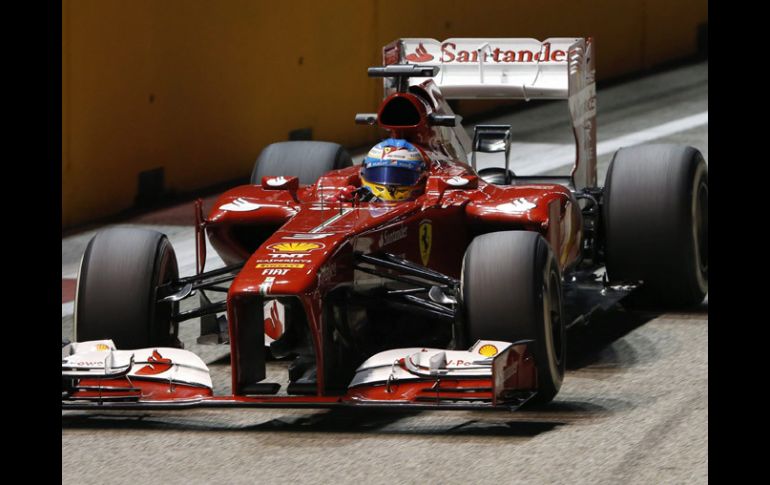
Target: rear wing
x,y
509,68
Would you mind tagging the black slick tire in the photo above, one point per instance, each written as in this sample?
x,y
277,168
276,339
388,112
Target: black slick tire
x,y
511,291
117,286
306,160
656,223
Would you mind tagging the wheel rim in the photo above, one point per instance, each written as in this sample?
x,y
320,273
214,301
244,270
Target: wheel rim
x,y
167,272
552,316
702,225
700,232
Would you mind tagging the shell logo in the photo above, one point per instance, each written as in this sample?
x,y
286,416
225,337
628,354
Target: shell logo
x,y
488,350
102,348
295,247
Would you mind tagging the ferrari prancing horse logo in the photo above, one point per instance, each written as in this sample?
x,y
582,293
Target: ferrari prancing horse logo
x,y
426,240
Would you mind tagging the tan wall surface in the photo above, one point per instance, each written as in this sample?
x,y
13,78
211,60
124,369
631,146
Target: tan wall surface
x,y
200,87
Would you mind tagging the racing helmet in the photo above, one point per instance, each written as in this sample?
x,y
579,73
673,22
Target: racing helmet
x,y
394,170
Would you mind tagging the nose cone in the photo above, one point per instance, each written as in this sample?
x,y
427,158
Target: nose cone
x,y
286,265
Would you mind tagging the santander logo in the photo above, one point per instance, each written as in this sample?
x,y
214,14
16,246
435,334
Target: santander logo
x,y
451,53
420,54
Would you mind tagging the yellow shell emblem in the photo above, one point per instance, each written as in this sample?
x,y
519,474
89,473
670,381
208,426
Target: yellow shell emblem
x,y
488,350
295,247
102,348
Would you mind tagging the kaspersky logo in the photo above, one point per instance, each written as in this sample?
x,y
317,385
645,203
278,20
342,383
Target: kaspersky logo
x,y
420,54
156,365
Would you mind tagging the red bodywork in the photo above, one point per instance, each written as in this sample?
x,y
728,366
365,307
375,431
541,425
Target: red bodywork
x,y
301,247
321,233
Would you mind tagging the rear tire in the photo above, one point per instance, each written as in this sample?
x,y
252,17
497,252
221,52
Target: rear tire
x,y
117,285
306,160
511,290
656,223
496,175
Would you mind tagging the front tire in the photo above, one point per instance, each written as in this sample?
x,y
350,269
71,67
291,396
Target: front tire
x,y
117,286
511,290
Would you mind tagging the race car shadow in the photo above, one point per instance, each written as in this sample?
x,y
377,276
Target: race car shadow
x,y
695,313
386,422
524,424
592,344
344,422
599,345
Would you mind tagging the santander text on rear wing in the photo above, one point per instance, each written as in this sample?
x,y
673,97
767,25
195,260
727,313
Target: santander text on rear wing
x,y
514,68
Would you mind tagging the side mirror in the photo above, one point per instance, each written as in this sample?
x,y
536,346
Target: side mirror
x,y
366,118
442,120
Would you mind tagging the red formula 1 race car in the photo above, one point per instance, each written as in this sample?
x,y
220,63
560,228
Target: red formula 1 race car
x,y
409,280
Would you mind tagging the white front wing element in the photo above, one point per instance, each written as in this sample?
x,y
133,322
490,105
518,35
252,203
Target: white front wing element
x,y
426,363
100,359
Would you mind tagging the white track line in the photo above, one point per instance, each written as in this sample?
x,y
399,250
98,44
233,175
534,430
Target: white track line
x,y
660,131
67,308
539,158
552,156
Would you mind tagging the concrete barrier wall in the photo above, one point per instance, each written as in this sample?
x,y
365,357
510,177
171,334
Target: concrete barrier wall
x,y
200,87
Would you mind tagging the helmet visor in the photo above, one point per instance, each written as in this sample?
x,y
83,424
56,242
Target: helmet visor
x,y
391,175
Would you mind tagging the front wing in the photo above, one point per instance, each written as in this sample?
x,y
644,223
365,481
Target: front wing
x,y
491,374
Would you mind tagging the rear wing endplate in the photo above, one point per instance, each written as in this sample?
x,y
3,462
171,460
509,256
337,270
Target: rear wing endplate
x,y
514,68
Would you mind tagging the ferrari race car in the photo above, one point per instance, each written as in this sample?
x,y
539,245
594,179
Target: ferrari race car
x,y
412,280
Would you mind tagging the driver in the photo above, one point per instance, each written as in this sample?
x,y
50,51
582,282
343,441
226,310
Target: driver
x,y
394,170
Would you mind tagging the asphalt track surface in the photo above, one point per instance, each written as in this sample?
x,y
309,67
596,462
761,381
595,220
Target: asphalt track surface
x,y
633,408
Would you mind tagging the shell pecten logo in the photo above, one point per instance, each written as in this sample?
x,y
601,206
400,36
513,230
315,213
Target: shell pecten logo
x,y
488,350
295,247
